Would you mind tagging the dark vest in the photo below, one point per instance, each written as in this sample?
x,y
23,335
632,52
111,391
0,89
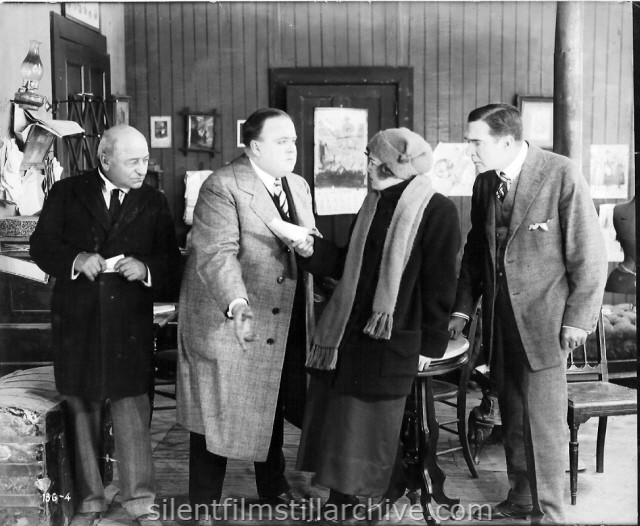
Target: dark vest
x,y
504,210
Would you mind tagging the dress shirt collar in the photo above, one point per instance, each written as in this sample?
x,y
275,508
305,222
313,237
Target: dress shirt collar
x,y
512,171
108,186
267,179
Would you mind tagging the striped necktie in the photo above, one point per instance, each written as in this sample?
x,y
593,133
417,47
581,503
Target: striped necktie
x,y
503,186
280,196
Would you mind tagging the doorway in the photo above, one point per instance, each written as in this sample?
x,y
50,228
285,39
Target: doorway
x,y
386,93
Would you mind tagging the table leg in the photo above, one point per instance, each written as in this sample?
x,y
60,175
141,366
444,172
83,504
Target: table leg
x,y
429,424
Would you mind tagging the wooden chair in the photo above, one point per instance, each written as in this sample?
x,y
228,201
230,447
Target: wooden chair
x,y
591,395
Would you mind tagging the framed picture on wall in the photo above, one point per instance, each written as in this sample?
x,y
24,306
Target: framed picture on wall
x,y
200,132
160,128
239,124
121,109
537,120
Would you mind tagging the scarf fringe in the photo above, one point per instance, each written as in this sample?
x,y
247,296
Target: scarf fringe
x,y
379,326
323,358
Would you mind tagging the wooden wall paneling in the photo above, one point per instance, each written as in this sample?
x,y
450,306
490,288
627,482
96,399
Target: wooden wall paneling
x,y
521,50
301,27
327,29
379,46
416,47
391,42
456,40
262,58
431,72
153,65
548,47
178,102
508,79
249,62
444,71
496,22
599,73
315,34
341,34
588,75
227,140
273,34
613,74
139,43
165,85
404,34
535,49
287,35
469,59
366,33
214,81
241,76
483,57
353,33
626,96
130,45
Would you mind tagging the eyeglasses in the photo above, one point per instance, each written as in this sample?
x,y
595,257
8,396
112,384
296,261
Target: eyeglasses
x,y
371,160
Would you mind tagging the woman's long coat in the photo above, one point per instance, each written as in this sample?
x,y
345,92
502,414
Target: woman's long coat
x,y
225,393
103,330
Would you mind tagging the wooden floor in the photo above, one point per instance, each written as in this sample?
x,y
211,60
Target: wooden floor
x,y
607,498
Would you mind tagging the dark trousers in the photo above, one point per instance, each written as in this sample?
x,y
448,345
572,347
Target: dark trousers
x,y
207,470
533,408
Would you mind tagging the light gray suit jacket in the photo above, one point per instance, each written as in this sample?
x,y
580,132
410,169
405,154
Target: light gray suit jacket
x,y
224,392
556,273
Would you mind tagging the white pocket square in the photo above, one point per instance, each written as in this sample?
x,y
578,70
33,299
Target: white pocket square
x,y
539,226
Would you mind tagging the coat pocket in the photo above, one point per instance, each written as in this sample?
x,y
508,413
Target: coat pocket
x,y
400,354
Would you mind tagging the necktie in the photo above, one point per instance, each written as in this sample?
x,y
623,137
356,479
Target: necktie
x,y
114,205
503,186
281,196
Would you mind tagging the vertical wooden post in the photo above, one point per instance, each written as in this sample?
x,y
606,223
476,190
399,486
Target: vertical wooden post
x,y
567,84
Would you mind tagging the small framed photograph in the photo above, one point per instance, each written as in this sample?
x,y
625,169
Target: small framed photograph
x,y
200,132
86,13
121,109
239,142
537,120
160,128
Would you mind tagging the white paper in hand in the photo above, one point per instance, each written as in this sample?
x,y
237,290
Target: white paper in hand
x,y
288,232
111,263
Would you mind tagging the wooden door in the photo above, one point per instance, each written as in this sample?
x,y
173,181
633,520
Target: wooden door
x,y
81,87
384,92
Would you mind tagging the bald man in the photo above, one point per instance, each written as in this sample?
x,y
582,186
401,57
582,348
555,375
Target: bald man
x,y
109,241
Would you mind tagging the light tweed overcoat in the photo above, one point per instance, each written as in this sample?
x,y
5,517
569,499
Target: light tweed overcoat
x,y
225,393
555,260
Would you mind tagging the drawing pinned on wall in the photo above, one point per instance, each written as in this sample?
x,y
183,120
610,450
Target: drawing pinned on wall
x,y
453,172
340,163
609,171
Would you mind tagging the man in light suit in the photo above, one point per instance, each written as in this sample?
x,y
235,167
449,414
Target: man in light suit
x,y
536,256
245,311
102,313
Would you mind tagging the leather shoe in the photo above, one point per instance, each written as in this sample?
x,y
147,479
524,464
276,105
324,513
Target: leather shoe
x,y
503,510
286,498
148,520
86,518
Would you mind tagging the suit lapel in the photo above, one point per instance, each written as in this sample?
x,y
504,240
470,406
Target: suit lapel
x,y
133,204
90,193
261,202
490,207
529,182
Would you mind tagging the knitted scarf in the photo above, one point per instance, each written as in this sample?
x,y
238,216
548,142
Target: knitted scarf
x,y
395,255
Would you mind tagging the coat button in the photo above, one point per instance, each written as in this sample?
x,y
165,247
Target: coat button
x,y
287,250
276,310
270,341
280,279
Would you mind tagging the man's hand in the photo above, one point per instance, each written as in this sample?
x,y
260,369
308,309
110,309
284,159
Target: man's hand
x,y
423,363
304,247
456,325
90,265
131,269
243,324
572,337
